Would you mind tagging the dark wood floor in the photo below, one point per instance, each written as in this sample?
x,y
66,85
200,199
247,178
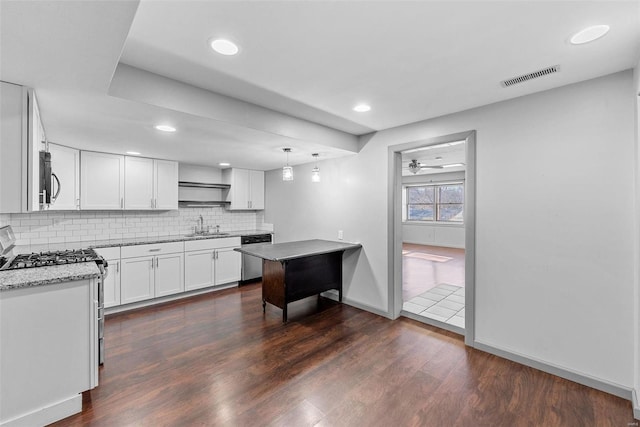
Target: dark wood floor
x,y
216,360
420,275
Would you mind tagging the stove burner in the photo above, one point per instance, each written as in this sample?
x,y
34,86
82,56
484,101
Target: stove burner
x,y
49,258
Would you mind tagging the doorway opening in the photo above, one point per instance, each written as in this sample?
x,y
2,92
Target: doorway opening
x,y
432,221
433,181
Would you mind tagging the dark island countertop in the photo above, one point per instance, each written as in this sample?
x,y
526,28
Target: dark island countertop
x,y
298,249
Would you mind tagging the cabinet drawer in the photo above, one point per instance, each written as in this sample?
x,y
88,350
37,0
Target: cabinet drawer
x,y
109,253
151,249
202,244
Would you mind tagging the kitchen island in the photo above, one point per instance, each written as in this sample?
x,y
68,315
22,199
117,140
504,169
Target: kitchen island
x,y
295,270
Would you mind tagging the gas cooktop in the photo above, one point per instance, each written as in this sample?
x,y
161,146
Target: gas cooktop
x,y
43,259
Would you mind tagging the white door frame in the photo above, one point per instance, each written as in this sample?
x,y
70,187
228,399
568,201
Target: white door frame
x,y
394,251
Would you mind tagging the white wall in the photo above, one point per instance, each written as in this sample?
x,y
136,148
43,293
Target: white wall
x,y
446,235
554,262
428,233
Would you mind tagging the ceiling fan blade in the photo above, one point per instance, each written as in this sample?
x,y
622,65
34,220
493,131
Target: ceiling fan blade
x,y
430,167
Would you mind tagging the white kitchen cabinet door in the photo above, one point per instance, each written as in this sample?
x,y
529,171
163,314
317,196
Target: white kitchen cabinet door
x,y
138,183
256,189
136,279
37,140
198,269
169,274
13,139
101,181
227,266
65,164
48,336
112,284
166,184
239,191
247,189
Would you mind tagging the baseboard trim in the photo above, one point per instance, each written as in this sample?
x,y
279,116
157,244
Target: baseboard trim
x,y
636,404
168,298
598,384
433,322
333,295
48,414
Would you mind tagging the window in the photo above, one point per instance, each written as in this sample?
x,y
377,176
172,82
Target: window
x,y
442,203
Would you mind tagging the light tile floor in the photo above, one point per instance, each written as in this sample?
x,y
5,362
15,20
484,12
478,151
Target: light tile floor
x,y
444,303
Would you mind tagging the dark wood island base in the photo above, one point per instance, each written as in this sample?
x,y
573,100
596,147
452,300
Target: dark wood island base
x,y
292,271
294,279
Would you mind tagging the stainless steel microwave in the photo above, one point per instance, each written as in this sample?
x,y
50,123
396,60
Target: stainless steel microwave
x,y
47,195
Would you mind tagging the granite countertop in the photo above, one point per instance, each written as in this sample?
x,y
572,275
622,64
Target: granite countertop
x,y
37,276
109,243
299,249
25,277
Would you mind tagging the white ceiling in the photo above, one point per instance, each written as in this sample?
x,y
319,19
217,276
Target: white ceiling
x,y
309,60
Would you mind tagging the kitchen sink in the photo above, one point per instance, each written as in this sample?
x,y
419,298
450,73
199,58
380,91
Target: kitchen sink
x,y
211,234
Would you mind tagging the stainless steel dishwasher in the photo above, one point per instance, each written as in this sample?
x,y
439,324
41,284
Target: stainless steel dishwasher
x,y
251,265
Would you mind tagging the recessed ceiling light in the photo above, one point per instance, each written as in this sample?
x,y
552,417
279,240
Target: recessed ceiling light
x,y
165,128
133,153
362,108
224,164
224,47
589,34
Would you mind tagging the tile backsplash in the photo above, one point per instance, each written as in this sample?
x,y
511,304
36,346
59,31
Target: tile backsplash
x,y
84,226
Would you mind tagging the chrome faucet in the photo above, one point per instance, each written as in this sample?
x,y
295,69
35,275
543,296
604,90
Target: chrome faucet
x,y
200,226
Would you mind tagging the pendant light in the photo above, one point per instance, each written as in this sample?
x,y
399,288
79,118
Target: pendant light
x,y
315,173
287,171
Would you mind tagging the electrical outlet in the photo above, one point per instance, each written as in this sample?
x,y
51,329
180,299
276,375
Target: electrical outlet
x,y
340,235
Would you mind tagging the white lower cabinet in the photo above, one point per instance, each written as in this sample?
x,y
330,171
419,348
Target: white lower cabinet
x,y
199,271
169,274
49,341
112,280
112,284
143,272
211,262
150,271
137,279
228,266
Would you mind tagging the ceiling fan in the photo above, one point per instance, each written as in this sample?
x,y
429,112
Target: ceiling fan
x,y
414,166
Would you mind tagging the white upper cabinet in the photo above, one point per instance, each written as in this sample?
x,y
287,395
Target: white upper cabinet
x,y
247,188
166,184
37,141
138,183
65,164
101,181
256,189
150,184
21,137
111,181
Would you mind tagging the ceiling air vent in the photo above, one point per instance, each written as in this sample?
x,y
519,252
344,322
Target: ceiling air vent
x,y
530,76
